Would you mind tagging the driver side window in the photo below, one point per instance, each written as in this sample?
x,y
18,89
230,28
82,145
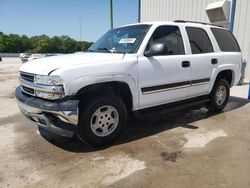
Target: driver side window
x,y
171,37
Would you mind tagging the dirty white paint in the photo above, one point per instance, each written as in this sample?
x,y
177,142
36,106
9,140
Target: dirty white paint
x,y
199,140
121,167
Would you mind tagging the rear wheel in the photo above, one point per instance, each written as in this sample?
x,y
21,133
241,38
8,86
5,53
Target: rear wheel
x,y
219,95
102,119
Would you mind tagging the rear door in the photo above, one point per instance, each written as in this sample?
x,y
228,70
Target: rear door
x,y
203,60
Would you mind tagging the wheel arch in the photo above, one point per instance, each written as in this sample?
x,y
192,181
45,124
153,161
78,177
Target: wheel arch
x,y
227,73
122,85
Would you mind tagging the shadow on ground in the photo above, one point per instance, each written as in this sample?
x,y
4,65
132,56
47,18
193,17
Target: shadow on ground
x,y
138,128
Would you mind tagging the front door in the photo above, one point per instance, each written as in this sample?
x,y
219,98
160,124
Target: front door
x,y
166,77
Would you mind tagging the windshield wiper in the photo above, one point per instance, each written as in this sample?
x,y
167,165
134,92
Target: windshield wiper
x,y
105,49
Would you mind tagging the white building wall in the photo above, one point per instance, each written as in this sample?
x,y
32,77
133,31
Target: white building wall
x,y
169,10
242,29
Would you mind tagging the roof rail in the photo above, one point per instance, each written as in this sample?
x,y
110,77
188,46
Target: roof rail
x,y
184,21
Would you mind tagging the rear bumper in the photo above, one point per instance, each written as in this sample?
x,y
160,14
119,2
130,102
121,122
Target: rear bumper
x,y
58,117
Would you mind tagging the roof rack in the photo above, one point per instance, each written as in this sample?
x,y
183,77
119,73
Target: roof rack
x,y
184,21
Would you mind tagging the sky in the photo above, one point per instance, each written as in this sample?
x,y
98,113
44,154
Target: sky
x,y
62,17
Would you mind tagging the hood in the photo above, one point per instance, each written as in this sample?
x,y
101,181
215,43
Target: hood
x,y
45,66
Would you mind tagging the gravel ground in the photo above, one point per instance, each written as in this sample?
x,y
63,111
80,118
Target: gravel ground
x,y
191,148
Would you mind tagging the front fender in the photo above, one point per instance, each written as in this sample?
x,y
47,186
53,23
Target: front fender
x,y
74,86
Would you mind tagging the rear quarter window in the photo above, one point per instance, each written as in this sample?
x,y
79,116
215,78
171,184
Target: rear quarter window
x,y
225,40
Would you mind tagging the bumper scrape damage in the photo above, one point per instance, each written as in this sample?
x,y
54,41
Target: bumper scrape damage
x,y
59,117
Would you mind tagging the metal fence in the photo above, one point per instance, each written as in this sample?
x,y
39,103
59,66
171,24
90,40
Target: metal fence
x,y
9,54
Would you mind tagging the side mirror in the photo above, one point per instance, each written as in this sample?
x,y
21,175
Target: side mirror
x,y
156,49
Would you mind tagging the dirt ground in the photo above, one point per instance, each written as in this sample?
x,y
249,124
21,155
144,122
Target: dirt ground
x,y
191,148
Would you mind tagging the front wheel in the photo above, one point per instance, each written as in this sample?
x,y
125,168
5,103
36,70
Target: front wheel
x,y
219,95
101,120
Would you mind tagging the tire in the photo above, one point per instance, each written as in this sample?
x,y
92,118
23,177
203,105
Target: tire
x,y
102,119
219,96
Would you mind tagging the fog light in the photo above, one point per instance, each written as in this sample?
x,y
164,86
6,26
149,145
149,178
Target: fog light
x,y
47,95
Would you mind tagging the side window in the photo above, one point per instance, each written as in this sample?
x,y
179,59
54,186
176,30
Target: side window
x,y
199,40
225,40
171,36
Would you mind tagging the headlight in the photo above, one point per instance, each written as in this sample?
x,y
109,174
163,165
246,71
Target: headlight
x,y
51,87
48,80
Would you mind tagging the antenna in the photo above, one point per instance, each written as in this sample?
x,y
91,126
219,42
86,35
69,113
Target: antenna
x,y
80,27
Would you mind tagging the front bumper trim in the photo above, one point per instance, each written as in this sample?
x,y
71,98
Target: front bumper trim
x,y
57,117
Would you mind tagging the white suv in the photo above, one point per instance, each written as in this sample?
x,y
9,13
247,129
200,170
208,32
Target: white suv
x,y
130,69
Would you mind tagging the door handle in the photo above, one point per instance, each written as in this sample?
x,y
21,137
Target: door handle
x,y
185,64
214,61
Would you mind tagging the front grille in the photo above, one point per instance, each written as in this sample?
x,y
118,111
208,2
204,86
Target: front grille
x,y
30,87
28,90
27,77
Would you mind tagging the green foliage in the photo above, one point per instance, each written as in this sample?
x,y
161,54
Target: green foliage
x,y
41,44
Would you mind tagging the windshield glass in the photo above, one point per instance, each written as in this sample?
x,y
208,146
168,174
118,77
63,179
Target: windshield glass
x,y
121,40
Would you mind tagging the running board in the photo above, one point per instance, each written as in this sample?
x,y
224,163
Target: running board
x,y
172,107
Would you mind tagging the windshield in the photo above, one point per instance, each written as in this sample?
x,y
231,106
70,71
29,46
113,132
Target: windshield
x,y
121,40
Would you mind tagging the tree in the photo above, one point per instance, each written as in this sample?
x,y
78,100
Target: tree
x,y
56,45
2,42
41,44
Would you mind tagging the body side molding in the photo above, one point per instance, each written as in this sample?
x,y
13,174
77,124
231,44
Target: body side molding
x,y
174,86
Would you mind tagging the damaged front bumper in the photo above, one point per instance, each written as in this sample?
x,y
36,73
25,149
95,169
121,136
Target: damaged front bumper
x,y
59,117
